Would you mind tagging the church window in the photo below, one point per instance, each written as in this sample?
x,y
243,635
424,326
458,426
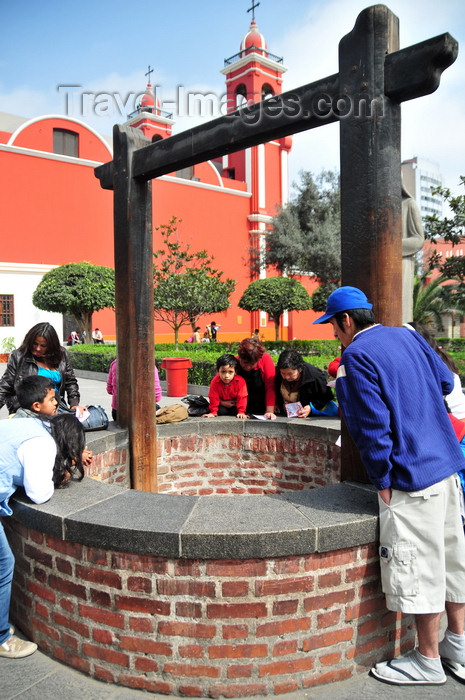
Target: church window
x,y
7,310
66,142
267,91
241,95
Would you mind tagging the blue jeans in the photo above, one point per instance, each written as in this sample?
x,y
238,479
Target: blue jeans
x,y
7,565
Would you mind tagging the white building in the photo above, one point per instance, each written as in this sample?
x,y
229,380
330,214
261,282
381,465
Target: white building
x,y
419,177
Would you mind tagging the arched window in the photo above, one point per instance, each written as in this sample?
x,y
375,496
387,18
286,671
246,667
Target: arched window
x,y
267,91
66,142
241,95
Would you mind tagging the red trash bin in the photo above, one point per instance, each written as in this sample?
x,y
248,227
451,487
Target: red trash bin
x,y
176,375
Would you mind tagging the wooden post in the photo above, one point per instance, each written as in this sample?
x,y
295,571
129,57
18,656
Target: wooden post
x,y
371,204
371,213
134,308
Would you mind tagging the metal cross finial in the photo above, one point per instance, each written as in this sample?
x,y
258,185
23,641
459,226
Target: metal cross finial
x,y
252,9
150,70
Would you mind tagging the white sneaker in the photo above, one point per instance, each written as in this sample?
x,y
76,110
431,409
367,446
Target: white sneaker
x,y
16,648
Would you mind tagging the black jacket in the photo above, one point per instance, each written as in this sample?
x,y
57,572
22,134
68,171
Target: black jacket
x,y
312,388
20,366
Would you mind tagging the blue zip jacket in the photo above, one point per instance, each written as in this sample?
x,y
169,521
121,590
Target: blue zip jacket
x,y
390,387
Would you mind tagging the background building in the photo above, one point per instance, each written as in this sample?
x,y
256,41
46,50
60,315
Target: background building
x,y
54,210
419,176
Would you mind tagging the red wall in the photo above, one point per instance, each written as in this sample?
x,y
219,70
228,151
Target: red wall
x,y
54,212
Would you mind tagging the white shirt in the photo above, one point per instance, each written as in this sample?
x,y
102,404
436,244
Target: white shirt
x,y
37,456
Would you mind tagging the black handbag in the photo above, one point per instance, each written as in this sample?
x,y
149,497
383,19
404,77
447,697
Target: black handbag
x,y
196,405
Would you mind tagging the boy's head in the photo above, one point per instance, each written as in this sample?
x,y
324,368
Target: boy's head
x,y
38,395
226,368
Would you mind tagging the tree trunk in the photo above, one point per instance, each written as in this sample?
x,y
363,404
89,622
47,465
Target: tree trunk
x,y
84,325
276,320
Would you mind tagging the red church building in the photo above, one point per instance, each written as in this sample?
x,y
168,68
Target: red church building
x,y
54,210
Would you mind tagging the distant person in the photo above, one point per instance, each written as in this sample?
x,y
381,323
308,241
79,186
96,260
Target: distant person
x,y
255,335
196,336
112,388
97,336
390,387
40,460
256,366
206,338
212,330
456,399
40,354
300,382
73,338
228,391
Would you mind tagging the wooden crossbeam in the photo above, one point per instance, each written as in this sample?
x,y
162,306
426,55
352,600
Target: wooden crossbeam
x,y
409,73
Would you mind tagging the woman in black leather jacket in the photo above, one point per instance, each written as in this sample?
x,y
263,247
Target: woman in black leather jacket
x,y
39,353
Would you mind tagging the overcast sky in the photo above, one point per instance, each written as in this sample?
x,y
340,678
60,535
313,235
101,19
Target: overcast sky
x,y
104,48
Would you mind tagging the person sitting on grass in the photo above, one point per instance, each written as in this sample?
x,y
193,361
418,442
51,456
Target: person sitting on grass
x,y
228,391
37,399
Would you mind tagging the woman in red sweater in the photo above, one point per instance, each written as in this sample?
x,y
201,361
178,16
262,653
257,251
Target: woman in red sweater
x,y
258,370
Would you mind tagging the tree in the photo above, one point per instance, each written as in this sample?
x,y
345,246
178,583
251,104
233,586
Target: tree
x,y
275,295
183,298
452,229
448,293
78,289
432,300
186,286
306,234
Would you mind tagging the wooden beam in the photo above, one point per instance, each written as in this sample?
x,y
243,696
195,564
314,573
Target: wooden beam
x,y
416,71
408,73
304,108
134,308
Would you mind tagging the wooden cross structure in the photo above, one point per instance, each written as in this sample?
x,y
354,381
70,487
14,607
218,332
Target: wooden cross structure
x,y
374,78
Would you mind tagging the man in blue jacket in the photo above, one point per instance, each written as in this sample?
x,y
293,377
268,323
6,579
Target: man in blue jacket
x,y
390,387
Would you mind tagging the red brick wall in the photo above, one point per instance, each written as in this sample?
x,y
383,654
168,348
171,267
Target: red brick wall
x,y
243,464
209,628
111,467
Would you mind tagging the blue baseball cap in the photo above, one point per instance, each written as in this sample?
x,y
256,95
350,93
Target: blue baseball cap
x,y
343,299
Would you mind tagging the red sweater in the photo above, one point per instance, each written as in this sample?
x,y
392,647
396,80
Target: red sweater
x,y
235,391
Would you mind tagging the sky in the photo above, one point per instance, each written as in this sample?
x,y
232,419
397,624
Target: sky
x,y
88,59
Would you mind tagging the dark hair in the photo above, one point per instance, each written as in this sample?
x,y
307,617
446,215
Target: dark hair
x,y
32,389
54,349
251,350
197,328
362,318
290,359
68,434
226,359
431,340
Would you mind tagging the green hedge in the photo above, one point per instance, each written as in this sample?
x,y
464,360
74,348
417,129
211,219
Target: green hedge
x,y
98,358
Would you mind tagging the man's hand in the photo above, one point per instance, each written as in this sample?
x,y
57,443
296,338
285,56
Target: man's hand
x,y
385,495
